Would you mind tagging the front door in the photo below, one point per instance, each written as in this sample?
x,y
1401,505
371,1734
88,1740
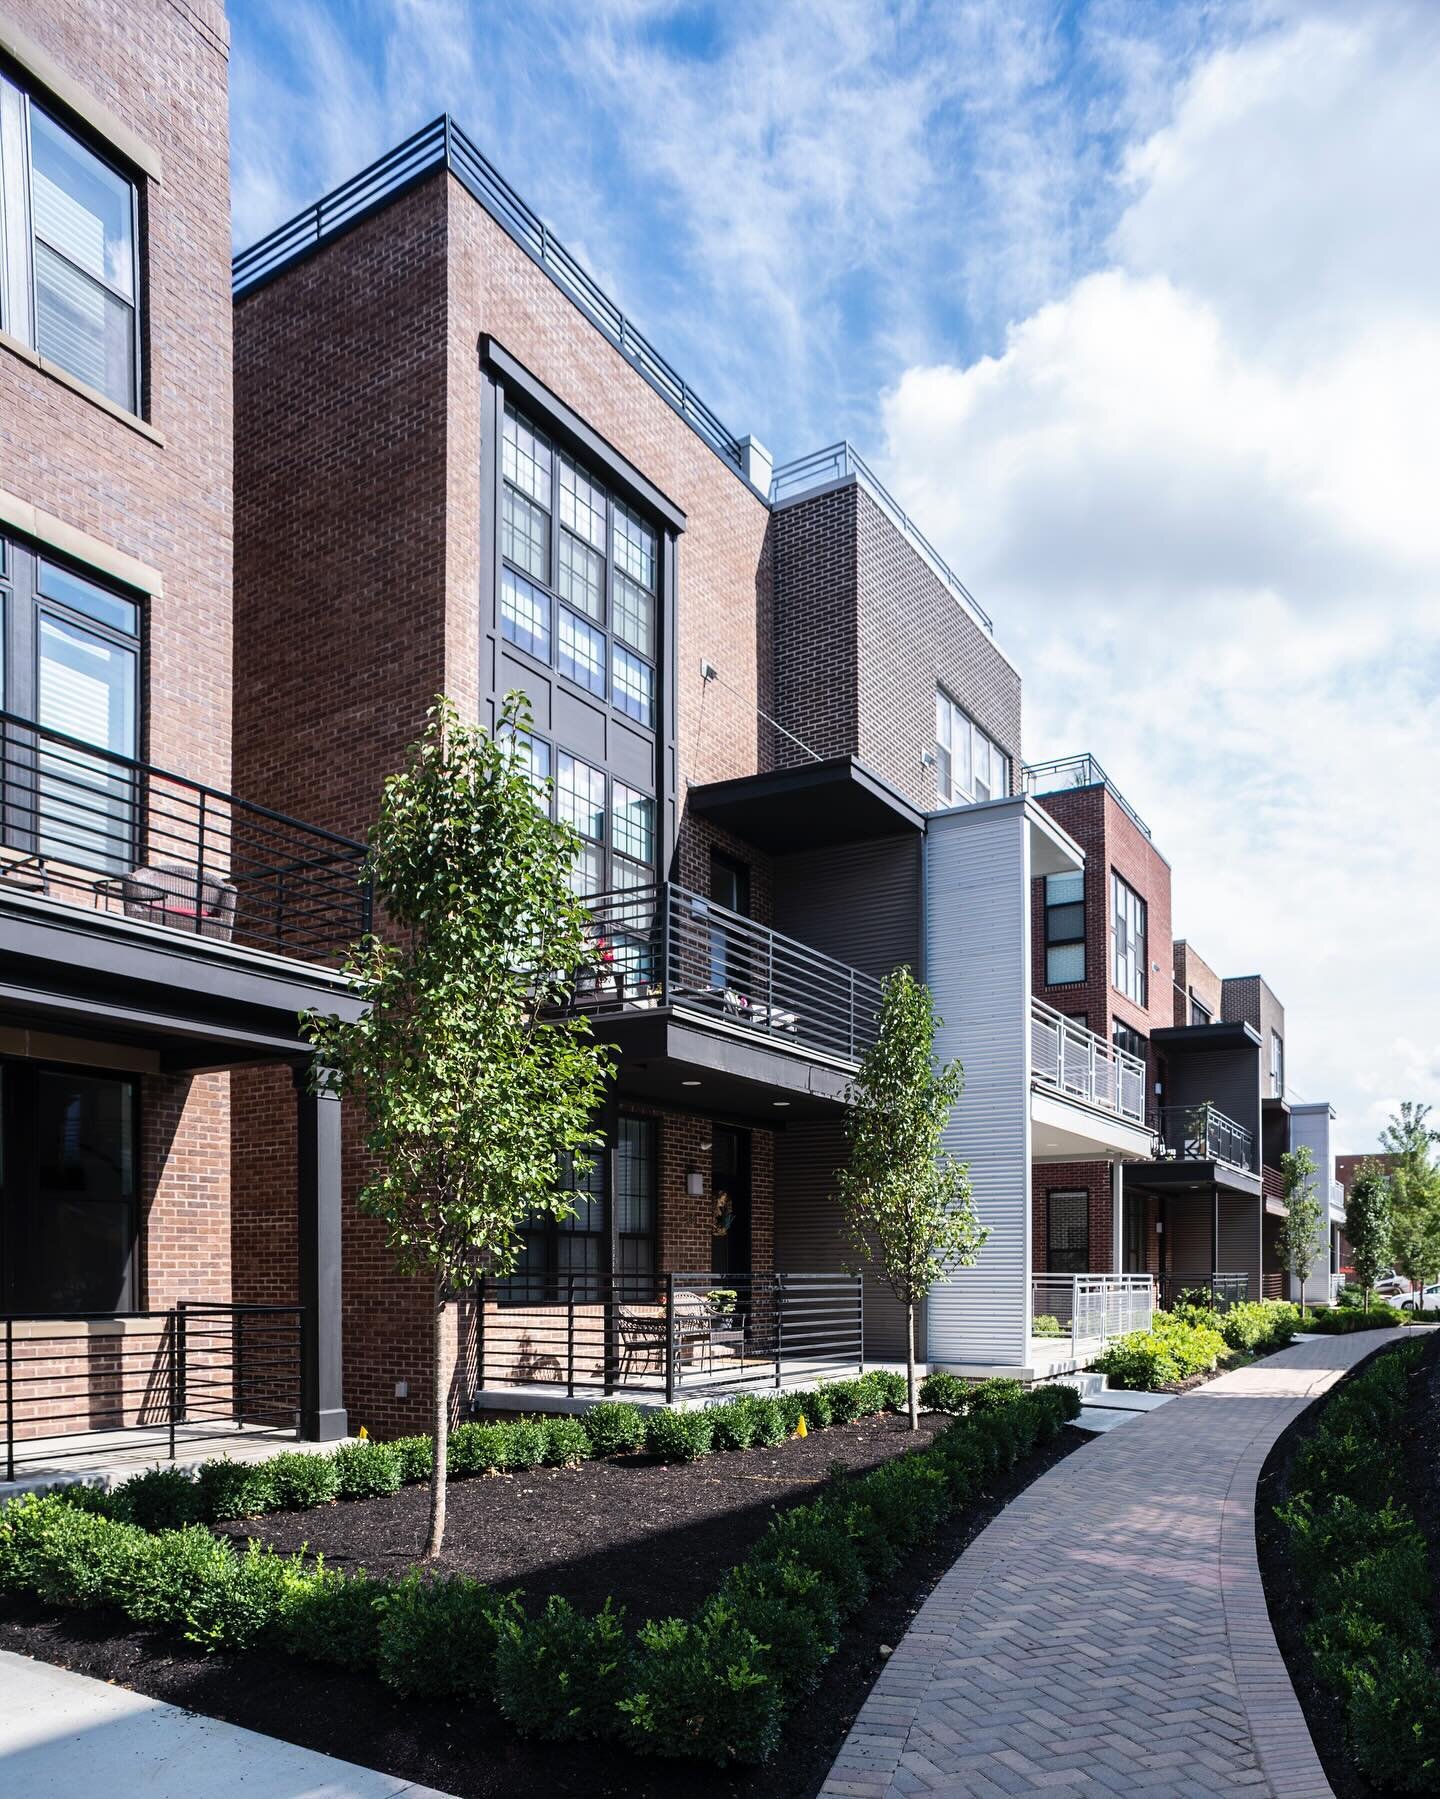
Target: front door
x,y
730,1185
67,1190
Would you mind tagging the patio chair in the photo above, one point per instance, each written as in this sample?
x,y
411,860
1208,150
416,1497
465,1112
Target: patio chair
x,y
174,895
642,1337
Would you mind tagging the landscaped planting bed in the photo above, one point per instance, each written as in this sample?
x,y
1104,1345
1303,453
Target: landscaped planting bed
x,y
1347,1528
769,1580
1190,1344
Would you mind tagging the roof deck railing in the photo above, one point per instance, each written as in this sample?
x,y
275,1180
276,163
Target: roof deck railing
x,y
1064,772
843,462
442,143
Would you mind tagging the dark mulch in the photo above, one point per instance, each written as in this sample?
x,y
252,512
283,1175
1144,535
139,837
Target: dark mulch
x,y
653,1534
471,1751
1289,1617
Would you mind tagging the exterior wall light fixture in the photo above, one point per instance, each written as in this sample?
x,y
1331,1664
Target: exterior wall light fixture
x,y
695,1184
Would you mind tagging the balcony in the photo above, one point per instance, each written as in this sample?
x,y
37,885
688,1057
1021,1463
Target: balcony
x,y
1071,1059
664,948
100,832
1066,772
1204,1134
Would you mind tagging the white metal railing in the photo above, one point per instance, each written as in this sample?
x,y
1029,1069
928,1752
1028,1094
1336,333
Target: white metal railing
x,y
1087,1310
1066,1055
1337,1281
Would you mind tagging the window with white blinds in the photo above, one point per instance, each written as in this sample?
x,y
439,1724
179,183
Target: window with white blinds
x,y
69,262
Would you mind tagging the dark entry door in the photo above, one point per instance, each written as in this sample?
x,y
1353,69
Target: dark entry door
x,y
730,1184
67,1190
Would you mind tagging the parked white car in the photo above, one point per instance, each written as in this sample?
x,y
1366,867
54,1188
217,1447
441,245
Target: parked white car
x,y
1426,1300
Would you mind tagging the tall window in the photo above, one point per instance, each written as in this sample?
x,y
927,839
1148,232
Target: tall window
x,y
969,766
579,584
565,1255
1126,1037
69,261
1064,929
1067,1231
1198,1014
1127,935
1277,1065
71,662
635,1180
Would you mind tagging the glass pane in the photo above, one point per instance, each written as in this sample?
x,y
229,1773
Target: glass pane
x,y
634,824
634,546
580,795
1064,924
944,774
582,652
85,596
582,504
532,757
999,773
635,1176
980,769
82,1227
525,458
84,328
525,614
525,535
1066,963
634,616
962,777
942,720
634,686
82,208
582,577
1064,889
86,806
585,876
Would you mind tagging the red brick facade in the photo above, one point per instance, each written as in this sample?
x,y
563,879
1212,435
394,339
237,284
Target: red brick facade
x,y
1195,982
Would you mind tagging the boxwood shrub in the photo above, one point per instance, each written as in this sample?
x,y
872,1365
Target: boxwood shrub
x,y
236,1489
563,1674
158,1499
567,1442
365,1470
437,1637
299,1482
614,1426
1340,1321
679,1436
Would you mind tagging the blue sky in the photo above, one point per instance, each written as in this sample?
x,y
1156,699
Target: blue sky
x,y
1135,307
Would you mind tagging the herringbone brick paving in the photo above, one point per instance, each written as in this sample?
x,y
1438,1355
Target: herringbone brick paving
x,y
1108,1632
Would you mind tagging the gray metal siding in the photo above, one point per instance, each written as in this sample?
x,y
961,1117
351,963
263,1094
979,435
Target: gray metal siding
x,y
1312,1127
1240,1220
977,943
810,1234
859,902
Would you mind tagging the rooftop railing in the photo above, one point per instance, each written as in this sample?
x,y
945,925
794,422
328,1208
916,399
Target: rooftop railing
x,y
1067,1056
442,143
663,945
1204,1133
97,830
841,462
1066,772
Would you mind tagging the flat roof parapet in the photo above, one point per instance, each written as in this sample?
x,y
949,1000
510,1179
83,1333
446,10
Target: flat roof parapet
x,y
1062,773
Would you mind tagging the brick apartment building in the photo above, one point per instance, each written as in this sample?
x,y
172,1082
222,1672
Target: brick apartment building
x,y
138,901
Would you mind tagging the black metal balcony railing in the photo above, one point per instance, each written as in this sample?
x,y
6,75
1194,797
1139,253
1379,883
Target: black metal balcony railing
x,y
663,945
1218,1291
99,830
1063,773
1204,1134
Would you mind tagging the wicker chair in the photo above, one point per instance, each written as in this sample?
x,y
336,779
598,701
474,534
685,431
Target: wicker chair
x,y
174,895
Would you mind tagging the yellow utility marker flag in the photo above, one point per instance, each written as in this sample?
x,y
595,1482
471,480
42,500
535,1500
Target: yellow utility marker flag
x,y
800,1430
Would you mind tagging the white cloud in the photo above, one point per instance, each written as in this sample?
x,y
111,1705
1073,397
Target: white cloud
x,y
1197,490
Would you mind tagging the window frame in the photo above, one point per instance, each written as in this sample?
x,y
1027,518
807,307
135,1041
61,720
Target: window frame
x,y
1277,1063
20,97
949,790
1200,1013
1137,932
1052,907
1125,1036
1066,1193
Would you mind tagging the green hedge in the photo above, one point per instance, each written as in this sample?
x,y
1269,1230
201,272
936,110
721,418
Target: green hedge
x,y
1174,1347
1360,1561
716,1686
1341,1320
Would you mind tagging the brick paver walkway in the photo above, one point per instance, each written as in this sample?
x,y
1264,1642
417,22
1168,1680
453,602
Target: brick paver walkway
x,y
1108,1632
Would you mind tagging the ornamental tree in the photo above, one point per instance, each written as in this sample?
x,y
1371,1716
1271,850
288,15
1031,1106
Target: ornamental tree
x,y
1414,1194
475,1079
907,1202
1367,1225
1299,1236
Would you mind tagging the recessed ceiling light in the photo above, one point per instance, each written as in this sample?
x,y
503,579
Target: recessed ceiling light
x,y
689,1083
780,1102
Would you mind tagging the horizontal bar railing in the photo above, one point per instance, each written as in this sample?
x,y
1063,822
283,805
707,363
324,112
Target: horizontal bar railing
x,y
1221,1291
1062,773
86,825
1203,1133
442,143
841,461
1072,1059
69,1377
1085,1311
666,1335
662,944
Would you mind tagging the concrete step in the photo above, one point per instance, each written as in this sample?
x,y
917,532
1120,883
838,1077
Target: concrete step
x,y
1086,1384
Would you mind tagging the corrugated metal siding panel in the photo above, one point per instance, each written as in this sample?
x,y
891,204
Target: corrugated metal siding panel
x,y
1240,1239
1229,1079
1189,1222
810,1235
859,902
1312,1127
977,940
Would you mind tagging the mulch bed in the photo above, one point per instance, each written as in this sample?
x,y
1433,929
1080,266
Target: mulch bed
x,y
1323,1714
658,1537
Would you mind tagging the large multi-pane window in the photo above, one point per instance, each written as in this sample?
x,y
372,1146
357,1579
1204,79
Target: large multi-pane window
x,y
565,1257
580,581
615,823
969,766
69,256
1067,1231
1064,928
69,660
1127,935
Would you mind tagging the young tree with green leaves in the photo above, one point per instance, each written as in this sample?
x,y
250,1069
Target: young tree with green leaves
x,y
1414,1193
1367,1225
1299,1236
475,1080
906,1201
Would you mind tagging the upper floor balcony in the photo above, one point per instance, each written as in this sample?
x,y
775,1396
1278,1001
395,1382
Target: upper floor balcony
x,y
1087,1097
88,829
1063,773
664,949
1203,1133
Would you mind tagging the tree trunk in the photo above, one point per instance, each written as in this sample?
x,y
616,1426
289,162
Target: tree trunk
x,y
911,1390
442,1424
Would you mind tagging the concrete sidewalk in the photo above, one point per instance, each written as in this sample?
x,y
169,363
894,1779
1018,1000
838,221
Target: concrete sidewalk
x,y
64,1735
1108,1632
